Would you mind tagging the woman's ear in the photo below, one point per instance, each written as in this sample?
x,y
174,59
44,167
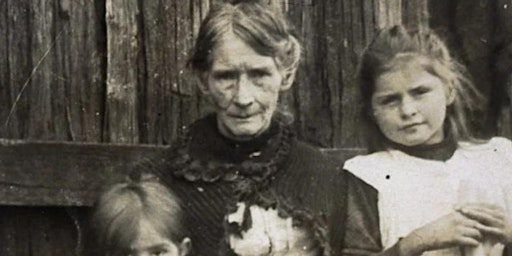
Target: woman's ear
x,y
185,246
288,78
202,82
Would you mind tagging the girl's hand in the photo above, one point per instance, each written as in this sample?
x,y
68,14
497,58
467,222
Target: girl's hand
x,y
494,220
451,230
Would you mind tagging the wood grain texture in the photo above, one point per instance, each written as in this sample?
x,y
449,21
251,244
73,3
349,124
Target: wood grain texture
x,y
503,65
42,231
47,116
129,83
415,13
62,174
85,65
105,71
5,89
20,69
72,174
159,26
389,13
467,27
123,46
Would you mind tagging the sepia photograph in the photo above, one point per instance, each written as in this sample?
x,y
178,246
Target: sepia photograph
x,y
255,127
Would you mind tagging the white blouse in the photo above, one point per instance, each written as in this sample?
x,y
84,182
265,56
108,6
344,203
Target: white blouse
x,y
415,191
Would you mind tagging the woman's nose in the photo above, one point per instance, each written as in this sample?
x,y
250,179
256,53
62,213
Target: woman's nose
x,y
244,96
408,107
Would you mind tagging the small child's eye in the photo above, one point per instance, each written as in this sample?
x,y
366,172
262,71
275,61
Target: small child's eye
x,y
159,252
388,100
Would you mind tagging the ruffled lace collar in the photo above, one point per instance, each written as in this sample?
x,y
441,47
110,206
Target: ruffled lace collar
x,y
204,154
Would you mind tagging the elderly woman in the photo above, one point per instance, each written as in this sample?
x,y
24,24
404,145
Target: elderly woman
x,y
248,186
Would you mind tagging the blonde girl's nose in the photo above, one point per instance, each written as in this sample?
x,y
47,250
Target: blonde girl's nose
x,y
408,107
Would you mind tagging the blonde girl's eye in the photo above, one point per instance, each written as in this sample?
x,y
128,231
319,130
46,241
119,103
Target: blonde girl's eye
x,y
420,91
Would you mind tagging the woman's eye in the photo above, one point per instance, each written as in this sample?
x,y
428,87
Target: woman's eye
x,y
225,75
259,73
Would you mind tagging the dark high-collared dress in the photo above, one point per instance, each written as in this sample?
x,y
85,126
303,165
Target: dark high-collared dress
x,y
212,175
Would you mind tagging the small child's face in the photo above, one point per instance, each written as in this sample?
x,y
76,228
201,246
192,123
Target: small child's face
x,y
409,105
150,243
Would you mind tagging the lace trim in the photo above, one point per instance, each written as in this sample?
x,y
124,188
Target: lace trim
x,y
302,217
251,182
191,169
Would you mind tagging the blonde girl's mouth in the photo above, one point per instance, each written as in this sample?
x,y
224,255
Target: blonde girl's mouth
x,y
409,126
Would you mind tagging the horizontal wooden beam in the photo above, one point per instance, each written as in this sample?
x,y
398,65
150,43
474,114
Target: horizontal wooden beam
x,y
72,174
61,173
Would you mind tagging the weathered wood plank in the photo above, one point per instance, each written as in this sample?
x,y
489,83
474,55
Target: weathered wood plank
x,y
415,13
64,174
85,77
42,231
71,174
389,13
172,103
5,89
474,25
47,117
158,23
503,65
333,69
123,48
468,28
185,13
20,68
312,99
354,32
203,107
369,20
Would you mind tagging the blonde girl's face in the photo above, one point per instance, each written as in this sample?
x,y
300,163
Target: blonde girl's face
x,y
409,105
150,243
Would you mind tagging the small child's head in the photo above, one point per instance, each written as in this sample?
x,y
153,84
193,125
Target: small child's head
x,y
139,218
414,92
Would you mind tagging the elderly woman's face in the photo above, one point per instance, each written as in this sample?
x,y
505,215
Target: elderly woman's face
x,y
244,87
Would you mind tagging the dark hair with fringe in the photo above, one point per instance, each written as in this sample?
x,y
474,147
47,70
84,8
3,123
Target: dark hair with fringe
x,y
392,43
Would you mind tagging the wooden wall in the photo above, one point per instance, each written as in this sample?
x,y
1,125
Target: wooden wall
x,y
479,33
114,71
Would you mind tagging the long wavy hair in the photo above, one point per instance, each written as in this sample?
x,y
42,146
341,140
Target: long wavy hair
x,y
384,52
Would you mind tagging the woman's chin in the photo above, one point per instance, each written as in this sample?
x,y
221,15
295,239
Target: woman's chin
x,y
245,132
